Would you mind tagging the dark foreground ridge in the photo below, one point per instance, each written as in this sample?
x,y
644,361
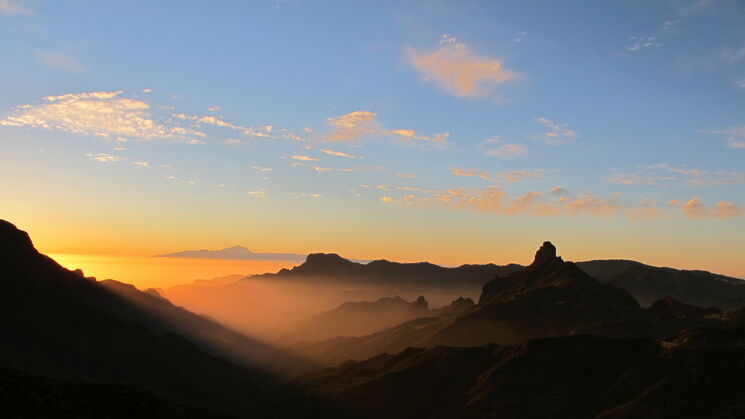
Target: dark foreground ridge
x,y
64,335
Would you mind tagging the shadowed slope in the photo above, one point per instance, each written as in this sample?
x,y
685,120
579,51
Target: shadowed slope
x,y
699,373
57,323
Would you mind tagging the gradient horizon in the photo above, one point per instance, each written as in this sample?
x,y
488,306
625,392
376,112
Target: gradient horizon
x,y
442,131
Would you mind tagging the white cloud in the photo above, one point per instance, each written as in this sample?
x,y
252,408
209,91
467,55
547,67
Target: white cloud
x,y
104,157
141,163
303,158
102,114
455,68
638,43
60,60
339,154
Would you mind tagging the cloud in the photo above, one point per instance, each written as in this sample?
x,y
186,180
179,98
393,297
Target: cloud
x,y
257,194
512,177
557,133
506,151
211,120
405,175
331,169
303,158
352,126
102,114
495,200
9,8
694,208
734,136
261,169
733,55
104,157
214,108
60,60
650,175
141,163
339,154
734,143
412,135
470,173
358,125
638,43
455,68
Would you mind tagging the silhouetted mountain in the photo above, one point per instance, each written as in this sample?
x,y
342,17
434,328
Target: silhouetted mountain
x,y
57,323
334,267
649,283
235,252
357,318
698,374
548,298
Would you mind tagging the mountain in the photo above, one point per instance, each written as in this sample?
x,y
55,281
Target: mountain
x,y
330,266
650,283
235,252
550,297
63,327
699,373
357,318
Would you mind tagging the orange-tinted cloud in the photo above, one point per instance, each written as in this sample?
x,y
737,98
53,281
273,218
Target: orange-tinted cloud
x,y
694,208
455,68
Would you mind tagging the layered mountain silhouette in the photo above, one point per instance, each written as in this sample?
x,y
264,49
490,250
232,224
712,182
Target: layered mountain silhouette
x,y
645,283
550,297
330,266
649,283
59,327
365,317
235,252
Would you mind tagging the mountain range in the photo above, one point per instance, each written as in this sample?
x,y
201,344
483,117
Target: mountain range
x,y
547,340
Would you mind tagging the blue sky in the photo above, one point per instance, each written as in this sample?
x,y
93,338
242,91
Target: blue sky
x,y
307,125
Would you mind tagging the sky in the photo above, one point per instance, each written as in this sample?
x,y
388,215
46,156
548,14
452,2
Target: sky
x,y
448,131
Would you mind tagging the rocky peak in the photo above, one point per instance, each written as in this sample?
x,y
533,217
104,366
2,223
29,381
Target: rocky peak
x,y
546,254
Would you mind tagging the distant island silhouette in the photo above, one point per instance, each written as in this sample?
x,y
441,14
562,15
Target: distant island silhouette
x,y
233,253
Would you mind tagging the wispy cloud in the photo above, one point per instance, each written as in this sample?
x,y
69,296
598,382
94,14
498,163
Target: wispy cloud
x,y
141,163
506,151
638,43
102,114
660,173
60,60
455,68
557,133
405,175
339,154
257,194
512,177
104,157
358,125
9,8
303,158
